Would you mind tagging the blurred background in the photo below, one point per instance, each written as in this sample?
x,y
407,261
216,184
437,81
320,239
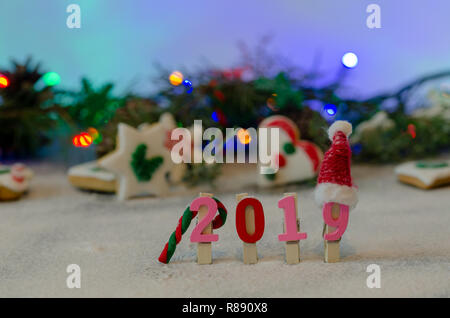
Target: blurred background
x,y
243,61
120,40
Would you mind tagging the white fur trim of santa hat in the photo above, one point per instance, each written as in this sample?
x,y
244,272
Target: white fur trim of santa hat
x,y
339,125
331,192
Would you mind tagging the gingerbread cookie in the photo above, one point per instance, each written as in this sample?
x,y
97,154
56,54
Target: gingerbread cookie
x,y
14,181
423,174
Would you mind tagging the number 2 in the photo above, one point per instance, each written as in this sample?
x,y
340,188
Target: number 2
x,y
197,235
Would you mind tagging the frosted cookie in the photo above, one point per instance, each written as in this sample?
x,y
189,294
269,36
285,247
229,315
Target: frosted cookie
x,y
425,175
14,181
142,161
298,160
90,176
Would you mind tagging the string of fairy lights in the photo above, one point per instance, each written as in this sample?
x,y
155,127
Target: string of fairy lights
x,y
176,78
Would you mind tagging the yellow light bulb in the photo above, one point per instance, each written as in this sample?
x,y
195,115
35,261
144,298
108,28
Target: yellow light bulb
x,y
176,78
244,136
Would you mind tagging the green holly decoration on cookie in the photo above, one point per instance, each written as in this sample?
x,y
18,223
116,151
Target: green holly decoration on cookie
x,y
144,168
431,165
3,171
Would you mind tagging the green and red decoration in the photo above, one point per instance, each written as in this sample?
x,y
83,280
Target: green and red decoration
x,y
183,225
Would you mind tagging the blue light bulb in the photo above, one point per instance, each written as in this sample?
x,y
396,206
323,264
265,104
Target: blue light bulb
x,y
330,109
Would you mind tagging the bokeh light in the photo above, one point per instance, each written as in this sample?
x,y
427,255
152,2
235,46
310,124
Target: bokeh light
x,y
215,117
96,136
350,60
4,82
188,85
244,136
272,103
330,109
51,78
412,130
176,78
82,140
356,149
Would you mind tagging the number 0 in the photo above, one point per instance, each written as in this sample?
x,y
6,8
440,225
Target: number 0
x,y
259,220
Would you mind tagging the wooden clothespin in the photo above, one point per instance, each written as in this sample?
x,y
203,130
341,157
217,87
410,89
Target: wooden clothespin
x,y
293,247
204,249
332,252
250,253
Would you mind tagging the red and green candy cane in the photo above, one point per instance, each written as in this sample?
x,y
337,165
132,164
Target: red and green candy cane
x,y
183,225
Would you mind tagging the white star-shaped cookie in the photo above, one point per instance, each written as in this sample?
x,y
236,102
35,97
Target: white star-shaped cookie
x,y
130,181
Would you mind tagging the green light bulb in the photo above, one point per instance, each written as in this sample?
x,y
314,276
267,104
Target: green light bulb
x,y
51,78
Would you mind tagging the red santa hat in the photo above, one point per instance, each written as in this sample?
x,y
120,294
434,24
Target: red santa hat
x,y
334,183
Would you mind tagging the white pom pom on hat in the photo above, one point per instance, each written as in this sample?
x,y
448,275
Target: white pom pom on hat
x,y
339,125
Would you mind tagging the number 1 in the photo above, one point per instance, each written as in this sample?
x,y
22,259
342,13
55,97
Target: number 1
x,y
290,220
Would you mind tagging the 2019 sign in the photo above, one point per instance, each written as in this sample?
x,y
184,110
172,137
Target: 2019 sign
x,y
250,226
